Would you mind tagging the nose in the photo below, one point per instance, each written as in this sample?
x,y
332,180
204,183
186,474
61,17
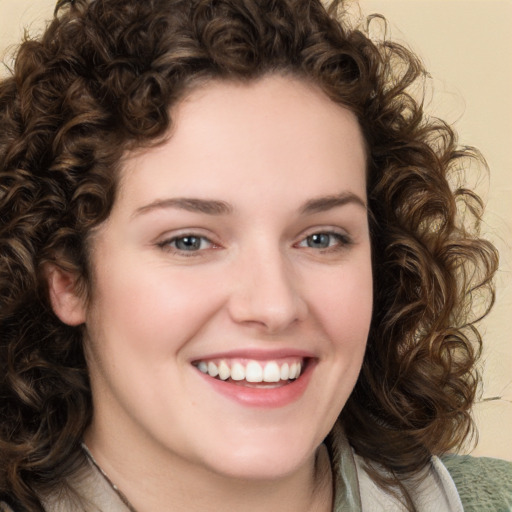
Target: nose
x,y
266,293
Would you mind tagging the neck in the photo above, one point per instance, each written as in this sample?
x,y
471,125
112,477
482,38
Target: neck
x,y
188,488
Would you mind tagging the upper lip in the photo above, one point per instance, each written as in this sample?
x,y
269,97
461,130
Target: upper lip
x,y
257,354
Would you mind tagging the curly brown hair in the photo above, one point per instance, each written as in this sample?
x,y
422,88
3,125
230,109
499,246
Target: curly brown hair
x,y
101,80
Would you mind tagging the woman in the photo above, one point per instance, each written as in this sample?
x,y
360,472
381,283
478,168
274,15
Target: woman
x,y
234,270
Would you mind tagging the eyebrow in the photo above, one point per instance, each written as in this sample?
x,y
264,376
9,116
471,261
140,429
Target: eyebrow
x,y
216,207
208,206
322,204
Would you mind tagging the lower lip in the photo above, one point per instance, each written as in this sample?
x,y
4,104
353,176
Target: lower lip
x,y
263,397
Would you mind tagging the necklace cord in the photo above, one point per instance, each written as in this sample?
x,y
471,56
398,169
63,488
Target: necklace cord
x,y
113,486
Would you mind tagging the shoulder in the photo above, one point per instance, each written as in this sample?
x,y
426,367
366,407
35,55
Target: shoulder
x,y
430,490
483,483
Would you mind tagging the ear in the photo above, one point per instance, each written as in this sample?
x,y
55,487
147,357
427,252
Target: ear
x,y
67,303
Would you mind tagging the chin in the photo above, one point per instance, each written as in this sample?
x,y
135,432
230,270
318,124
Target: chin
x,y
262,461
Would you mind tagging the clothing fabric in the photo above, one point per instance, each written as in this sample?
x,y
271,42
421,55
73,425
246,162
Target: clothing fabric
x,y
484,483
454,484
354,490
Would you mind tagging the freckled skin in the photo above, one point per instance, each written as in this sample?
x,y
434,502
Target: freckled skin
x,y
259,278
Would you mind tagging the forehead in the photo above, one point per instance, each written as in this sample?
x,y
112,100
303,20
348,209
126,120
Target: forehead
x,y
225,134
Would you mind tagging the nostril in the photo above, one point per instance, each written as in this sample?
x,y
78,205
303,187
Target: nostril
x,y
273,314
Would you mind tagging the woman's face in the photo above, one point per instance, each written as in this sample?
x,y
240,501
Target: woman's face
x,y
241,247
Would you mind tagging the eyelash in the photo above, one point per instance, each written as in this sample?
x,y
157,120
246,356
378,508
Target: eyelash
x,y
342,241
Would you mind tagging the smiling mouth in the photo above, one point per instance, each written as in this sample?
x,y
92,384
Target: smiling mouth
x,y
253,373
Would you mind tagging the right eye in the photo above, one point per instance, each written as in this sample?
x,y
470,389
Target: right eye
x,y
325,241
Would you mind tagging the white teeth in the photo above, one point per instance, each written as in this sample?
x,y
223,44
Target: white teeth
x,y
271,372
252,371
224,371
213,371
237,372
294,371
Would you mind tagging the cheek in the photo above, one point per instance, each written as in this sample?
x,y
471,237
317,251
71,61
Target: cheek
x,y
344,308
157,310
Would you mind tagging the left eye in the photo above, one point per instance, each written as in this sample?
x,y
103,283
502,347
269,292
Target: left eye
x,y
189,243
323,240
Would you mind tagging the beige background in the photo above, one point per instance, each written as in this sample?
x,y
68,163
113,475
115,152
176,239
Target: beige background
x,y
466,45
467,48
